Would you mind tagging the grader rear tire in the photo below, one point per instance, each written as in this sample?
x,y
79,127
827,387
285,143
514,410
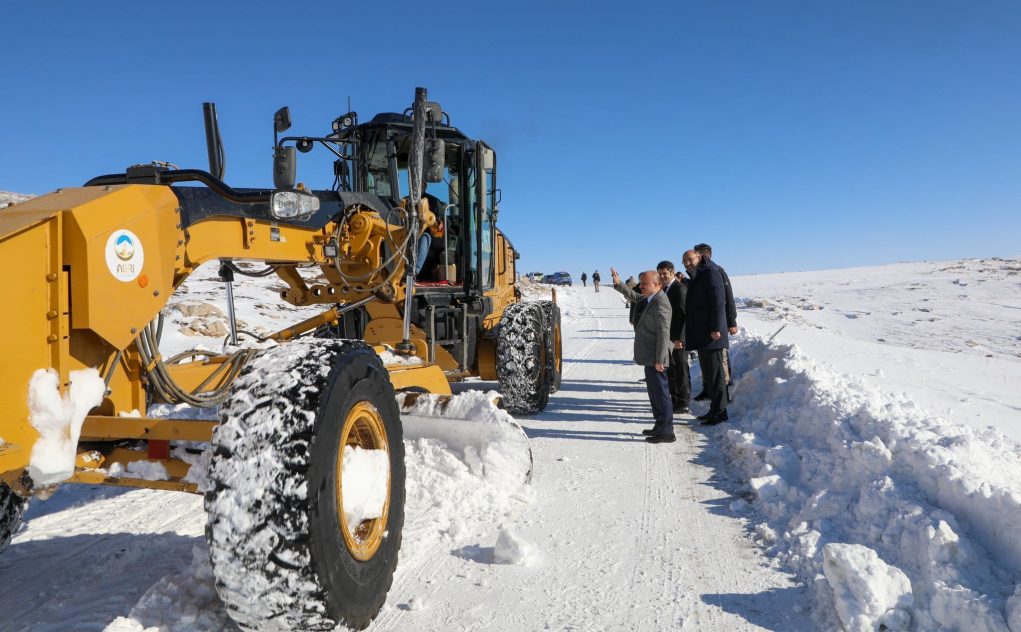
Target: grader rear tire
x,y
12,507
282,552
521,359
553,344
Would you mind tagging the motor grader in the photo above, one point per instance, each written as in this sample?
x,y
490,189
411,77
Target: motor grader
x,y
92,270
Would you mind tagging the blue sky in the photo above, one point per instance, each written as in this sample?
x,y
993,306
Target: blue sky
x,y
789,135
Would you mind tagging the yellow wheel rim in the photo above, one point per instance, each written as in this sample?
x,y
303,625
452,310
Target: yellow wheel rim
x,y
363,428
558,356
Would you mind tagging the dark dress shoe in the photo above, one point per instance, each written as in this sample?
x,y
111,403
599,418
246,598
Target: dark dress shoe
x,y
661,438
701,397
682,410
650,432
704,417
716,418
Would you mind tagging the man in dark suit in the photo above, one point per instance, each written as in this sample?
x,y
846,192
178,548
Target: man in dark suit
x,y
652,349
706,331
680,379
706,252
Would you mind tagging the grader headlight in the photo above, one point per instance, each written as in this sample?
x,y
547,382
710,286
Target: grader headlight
x,y
293,205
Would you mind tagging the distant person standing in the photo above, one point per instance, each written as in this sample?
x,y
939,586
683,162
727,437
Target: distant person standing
x,y
652,350
595,280
706,252
680,379
705,331
584,277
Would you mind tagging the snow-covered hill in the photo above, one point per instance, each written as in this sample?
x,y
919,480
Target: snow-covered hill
x,y
869,476
7,198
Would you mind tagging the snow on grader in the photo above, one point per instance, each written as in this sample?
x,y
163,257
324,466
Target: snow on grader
x,y
305,412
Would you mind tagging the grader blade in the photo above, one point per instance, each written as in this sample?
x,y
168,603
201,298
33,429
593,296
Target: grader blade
x,y
473,426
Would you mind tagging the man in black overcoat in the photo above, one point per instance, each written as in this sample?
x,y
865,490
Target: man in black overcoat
x,y
680,379
705,331
706,252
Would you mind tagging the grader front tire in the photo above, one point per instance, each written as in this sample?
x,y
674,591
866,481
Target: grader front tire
x,y
282,552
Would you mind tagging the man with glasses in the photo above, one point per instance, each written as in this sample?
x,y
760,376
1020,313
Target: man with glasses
x,y
680,380
652,349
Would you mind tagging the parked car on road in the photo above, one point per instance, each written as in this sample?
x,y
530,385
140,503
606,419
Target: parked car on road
x,y
558,278
535,277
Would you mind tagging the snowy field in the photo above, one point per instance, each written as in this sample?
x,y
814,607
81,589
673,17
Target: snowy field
x,y
869,477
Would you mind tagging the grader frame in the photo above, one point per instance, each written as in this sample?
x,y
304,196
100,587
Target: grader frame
x,y
83,303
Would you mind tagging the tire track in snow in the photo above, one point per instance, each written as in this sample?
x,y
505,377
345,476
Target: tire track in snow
x,y
123,535
570,367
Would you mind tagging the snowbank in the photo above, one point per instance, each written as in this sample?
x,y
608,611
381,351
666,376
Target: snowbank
x,y
830,459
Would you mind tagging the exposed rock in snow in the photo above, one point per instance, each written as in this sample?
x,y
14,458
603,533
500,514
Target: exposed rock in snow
x,y
7,198
191,309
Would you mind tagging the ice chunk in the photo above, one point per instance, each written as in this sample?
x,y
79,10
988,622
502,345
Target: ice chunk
x,y
867,591
145,470
511,549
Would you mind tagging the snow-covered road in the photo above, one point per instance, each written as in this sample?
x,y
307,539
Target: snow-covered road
x,y
869,476
628,535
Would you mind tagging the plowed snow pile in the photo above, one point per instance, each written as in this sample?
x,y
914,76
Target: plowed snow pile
x,y
830,459
834,459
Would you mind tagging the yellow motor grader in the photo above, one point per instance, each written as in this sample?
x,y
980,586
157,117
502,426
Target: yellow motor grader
x,y
91,269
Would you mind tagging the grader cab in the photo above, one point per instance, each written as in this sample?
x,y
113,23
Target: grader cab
x,y
417,288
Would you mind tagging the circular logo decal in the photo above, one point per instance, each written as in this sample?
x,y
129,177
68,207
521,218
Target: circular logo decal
x,y
124,255
124,247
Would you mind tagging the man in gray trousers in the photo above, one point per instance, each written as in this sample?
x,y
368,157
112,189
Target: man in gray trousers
x,y
652,349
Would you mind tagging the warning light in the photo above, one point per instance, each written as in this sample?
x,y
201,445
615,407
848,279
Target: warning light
x,y
143,281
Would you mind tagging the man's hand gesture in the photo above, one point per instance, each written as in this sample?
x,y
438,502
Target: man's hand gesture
x,y
616,277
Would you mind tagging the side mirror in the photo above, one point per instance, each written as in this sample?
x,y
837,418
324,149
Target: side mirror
x,y
435,160
282,120
285,166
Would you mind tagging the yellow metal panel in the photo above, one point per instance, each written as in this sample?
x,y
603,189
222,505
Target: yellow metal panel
x,y
427,377
30,258
138,280
93,477
191,374
236,238
98,428
487,359
391,331
13,458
